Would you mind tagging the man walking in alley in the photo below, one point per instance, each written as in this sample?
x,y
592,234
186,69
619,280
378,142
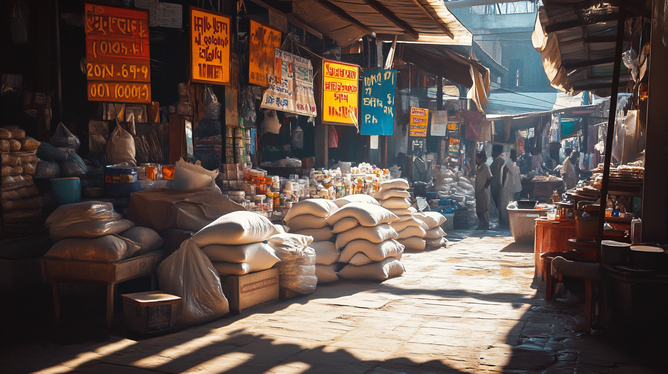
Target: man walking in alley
x,y
497,164
482,181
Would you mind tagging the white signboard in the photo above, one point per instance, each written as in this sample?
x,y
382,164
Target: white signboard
x,y
439,122
291,88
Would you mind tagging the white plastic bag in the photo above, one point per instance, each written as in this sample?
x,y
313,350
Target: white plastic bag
x,y
189,177
188,273
121,147
271,123
297,267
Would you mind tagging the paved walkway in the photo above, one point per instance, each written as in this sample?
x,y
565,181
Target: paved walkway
x,y
473,307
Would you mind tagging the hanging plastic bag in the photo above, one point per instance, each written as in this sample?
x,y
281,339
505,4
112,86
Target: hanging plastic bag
x,y
63,137
121,147
271,123
188,273
211,104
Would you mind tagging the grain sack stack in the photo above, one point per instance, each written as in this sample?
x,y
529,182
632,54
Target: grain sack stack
x,y
92,231
367,242
297,269
309,217
235,243
434,234
394,195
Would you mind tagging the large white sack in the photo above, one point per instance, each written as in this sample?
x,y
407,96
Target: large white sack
x,y
325,253
424,225
399,212
432,219
299,275
395,203
190,177
108,248
290,246
412,231
317,207
437,243
345,225
376,234
148,239
392,192
318,235
388,268
235,228
92,229
398,183
259,255
81,212
326,273
233,268
306,221
357,198
434,233
413,244
365,214
374,251
188,273
360,259
401,225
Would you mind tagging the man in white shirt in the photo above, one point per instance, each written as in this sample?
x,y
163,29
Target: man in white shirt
x,y
482,181
511,186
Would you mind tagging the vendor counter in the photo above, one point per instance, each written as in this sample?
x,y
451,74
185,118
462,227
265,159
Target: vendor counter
x,y
551,236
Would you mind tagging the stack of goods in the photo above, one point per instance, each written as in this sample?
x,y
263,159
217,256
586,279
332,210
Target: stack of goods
x,y
22,207
234,243
367,242
309,217
454,186
435,236
92,231
297,269
394,195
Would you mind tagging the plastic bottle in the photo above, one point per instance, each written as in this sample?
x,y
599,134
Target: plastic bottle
x,y
615,212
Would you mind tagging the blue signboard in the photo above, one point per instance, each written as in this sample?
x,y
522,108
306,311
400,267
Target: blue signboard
x,y
377,117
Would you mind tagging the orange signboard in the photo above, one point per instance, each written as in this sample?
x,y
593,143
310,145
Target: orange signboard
x,y
262,43
419,121
117,54
210,47
340,91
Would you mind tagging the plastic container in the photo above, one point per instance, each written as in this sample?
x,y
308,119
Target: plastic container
x,y
522,222
168,172
66,190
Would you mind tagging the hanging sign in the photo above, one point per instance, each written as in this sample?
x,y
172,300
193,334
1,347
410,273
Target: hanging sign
x,y
118,62
418,122
291,85
453,147
439,122
453,128
209,47
340,86
378,102
262,42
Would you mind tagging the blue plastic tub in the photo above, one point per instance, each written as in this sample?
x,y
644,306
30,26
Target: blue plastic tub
x,y
66,190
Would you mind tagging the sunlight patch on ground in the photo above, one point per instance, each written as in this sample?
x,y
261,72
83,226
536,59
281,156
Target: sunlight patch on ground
x,y
85,357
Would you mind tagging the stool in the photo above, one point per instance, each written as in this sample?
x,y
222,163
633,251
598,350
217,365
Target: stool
x,y
106,274
560,265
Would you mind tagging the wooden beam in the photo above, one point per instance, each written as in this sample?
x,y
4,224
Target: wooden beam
x,y
443,27
343,15
290,18
380,8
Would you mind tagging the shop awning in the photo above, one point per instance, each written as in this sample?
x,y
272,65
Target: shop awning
x,y
416,21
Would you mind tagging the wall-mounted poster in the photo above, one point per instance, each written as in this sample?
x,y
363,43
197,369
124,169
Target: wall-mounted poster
x,y
340,89
453,128
118,62
453,147
262,42
291,86
210,47
439,122
418,122
378,102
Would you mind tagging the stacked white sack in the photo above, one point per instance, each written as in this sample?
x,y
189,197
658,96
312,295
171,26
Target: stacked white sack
x,y
92,231
394,195
432,221
454,186
367,242
235,243
296,271
309,217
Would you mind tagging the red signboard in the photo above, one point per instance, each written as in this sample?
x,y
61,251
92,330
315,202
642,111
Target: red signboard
x,y
118,62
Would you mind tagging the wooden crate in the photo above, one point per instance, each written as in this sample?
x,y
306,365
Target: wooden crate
x,y
150,312
251,290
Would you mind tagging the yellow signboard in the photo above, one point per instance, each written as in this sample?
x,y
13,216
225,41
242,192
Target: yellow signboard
x,y
419,121
210,47
261,45
340,88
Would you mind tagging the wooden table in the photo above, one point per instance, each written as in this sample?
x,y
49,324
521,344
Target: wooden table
x,y
551,236
106,274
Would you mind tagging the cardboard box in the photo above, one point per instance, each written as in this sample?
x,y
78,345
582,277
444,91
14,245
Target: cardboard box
x,y
251,290
149,312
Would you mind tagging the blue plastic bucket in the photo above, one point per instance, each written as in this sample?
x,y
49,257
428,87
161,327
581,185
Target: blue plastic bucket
x,y
66,190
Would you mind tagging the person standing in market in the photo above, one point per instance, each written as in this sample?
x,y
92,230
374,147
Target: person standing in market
x,y
496,167
482,181
511,186
568,170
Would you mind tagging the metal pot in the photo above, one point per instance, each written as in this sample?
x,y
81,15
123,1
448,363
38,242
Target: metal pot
x,y
614,253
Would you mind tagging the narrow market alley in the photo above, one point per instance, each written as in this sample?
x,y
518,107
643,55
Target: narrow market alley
x,y
473,307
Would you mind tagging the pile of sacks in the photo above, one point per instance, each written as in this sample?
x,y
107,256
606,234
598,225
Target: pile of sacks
x,y
367,241
92,231
236,243
455,186
394,195
309,218
434,234
297,269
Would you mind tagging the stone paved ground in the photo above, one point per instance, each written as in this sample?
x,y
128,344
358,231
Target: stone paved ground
x,y
473,307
